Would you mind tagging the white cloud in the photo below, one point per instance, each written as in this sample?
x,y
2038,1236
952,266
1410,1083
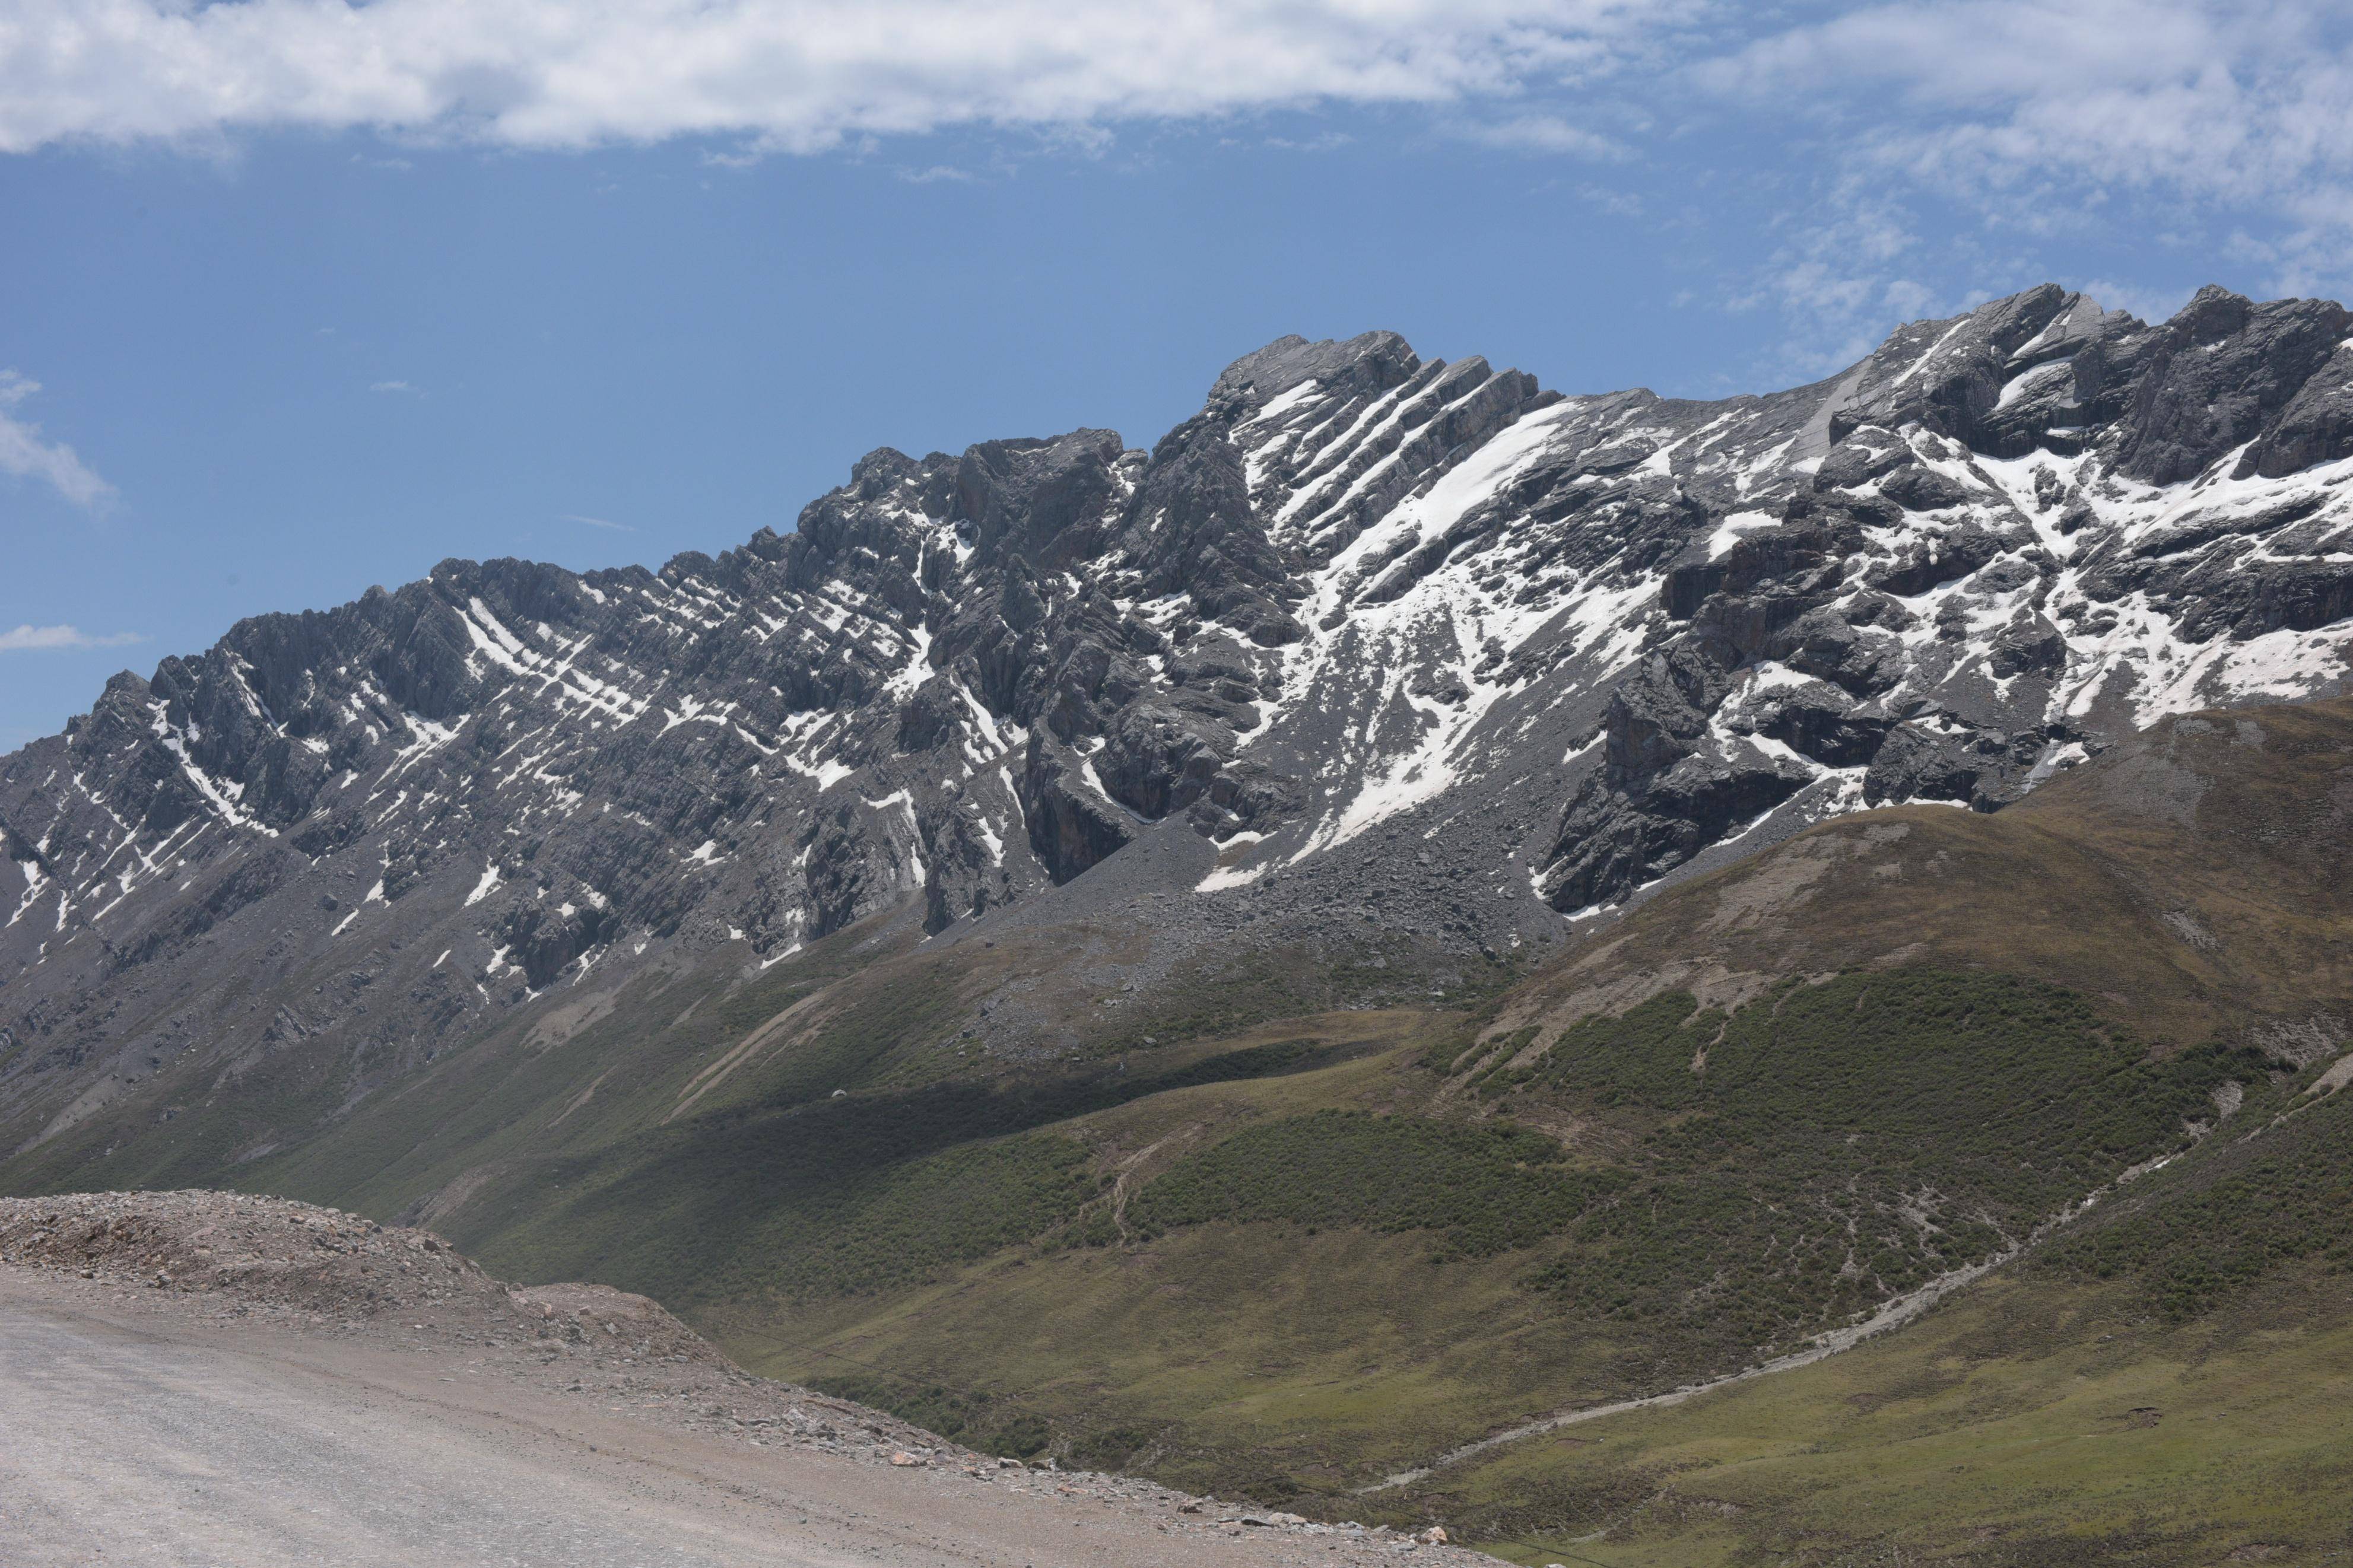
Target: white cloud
x,y
2022,106
1935,154
598,522
31,636
790,75
1841,277
1918,152
2027,108
27,454
390,386
1549,134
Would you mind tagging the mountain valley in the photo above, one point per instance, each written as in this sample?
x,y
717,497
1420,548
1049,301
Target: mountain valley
x,y
1415,906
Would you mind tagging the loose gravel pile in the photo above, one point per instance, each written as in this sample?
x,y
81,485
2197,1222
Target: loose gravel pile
x,y
262,1252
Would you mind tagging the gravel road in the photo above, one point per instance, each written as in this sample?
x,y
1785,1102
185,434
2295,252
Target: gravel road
x,y
133,1429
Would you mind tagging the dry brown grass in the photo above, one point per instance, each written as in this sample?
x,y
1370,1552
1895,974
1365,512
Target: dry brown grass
x,y
2198,880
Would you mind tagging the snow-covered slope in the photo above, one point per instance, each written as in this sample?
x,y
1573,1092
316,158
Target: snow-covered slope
x,y
1368,637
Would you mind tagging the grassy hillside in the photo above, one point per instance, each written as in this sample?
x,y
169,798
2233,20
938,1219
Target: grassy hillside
x,y
2167,1380
1305,1282
2024,1427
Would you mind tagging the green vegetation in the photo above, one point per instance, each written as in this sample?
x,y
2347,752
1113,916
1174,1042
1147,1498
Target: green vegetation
x,y
2027,1426
2022,1084
820,1201
1256,1360
1491,1187
897,1229
1829,1144
2202,1233
1325,1277
1238,1264
870,1192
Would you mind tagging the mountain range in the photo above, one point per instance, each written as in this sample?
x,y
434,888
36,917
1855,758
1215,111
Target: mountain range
x,y
1446,886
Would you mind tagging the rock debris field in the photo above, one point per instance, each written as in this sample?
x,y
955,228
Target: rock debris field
x,y
202,1377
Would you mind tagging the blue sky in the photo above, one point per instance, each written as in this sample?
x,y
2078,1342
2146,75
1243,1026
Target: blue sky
x,y
303,297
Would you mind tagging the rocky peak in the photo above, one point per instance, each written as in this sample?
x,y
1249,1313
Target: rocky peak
x,y
1362,367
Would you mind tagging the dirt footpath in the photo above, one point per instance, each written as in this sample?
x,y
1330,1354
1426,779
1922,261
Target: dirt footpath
x,y
141,1425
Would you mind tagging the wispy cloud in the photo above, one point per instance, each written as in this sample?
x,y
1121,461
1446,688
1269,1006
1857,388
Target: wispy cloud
x,y
1323,141
783,75
1549,133
26,637
2148,304
598,522
28,454
391,386
2228,100
2058,119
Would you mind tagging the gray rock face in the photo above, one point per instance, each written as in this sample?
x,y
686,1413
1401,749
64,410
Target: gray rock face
x,y
1369,637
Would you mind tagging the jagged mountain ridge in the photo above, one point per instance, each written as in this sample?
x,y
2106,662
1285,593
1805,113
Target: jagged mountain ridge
x,y
1366,626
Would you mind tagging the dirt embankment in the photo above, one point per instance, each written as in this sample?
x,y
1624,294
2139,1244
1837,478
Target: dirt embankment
x,y
239,1254
326,1278
273,1254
